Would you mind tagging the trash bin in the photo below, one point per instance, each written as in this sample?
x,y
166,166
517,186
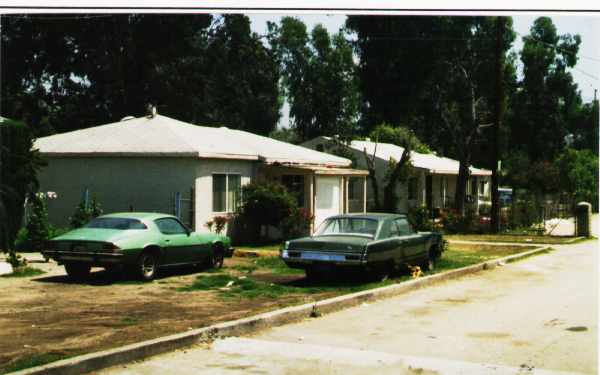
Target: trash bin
x,y
583,217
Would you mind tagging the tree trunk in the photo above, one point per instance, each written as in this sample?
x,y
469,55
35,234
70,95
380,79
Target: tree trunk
x,y
499,112
372,177
390,199
461,186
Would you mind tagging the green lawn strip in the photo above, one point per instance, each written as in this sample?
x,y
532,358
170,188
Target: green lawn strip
x,y
25,272
34,360
230,284
508,238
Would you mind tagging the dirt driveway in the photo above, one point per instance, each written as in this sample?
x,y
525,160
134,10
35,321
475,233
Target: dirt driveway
x,y
48,317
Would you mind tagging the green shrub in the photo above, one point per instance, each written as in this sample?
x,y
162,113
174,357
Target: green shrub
x,y
420,218
38,229
264,204
297,224
84,213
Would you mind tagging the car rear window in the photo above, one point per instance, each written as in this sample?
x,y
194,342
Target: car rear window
x,y
116,223
340,226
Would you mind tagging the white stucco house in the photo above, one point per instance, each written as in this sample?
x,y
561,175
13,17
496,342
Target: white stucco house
x,y
160,164
434,182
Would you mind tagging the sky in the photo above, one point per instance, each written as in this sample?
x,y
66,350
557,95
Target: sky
x,y
586,73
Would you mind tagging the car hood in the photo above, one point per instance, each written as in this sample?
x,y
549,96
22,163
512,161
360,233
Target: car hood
x,y
95,234
330,243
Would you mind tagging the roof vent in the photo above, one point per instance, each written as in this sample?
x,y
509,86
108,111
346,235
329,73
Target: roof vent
x,y
368,139
126,118
224,127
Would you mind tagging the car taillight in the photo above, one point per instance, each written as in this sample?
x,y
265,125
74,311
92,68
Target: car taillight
x,y
110,247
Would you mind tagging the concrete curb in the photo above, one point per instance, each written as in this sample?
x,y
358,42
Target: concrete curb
x,y
493,243
95,361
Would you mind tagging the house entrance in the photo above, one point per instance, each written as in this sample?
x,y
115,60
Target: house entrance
x,y
327,200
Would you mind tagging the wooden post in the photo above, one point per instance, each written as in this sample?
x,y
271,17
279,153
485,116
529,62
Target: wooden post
x,y
346,184
365,194
312,202
498,114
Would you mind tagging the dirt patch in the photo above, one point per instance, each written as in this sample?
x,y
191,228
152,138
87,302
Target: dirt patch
x,y
52,315
453,301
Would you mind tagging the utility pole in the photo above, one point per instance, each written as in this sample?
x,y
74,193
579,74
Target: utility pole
x,y
498,114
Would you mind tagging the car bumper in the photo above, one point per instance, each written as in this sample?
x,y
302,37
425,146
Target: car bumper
x,y
303,258
86,257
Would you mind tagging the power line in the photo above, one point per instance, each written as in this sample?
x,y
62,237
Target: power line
x,y
587,74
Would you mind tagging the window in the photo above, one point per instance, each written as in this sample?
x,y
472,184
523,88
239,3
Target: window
x,y
295,185
404,227
116,223
394,230
412,188
360,226
226,192
170,226
481,187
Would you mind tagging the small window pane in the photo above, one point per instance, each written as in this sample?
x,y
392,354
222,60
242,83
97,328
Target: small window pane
x,y
170,226
404,227
233,191
219,182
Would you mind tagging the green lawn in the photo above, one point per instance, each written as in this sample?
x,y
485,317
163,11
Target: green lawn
x,y
25,272
270,278
508,238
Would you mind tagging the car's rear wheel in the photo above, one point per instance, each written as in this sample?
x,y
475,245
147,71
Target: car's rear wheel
x,y
147,266
78,271
217,257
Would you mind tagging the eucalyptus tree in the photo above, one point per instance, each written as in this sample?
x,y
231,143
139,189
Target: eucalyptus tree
x,y
318,78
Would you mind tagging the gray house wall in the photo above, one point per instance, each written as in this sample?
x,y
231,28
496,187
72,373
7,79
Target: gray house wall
x,y
138,183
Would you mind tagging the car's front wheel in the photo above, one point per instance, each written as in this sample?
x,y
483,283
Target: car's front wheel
x,y
147,266
428,264
78,271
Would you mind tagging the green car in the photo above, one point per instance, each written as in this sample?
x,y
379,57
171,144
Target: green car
x,y
136,241
376,242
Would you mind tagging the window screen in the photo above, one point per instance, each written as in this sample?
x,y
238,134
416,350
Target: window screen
x,y
219,196
234,187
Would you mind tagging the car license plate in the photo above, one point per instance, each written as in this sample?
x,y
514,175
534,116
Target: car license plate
x,y
317,256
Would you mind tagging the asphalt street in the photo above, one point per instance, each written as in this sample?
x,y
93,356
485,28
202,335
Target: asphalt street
x,y
538,315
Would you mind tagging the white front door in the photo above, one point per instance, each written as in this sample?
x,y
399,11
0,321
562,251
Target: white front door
x,y
327,201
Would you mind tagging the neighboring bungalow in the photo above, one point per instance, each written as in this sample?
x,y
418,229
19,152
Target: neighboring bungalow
x,y
160,164
433,185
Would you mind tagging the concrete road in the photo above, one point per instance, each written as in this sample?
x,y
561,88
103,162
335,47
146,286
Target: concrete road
x,y
536,316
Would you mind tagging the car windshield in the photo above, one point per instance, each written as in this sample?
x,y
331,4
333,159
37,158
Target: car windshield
x,y
115,223
348,225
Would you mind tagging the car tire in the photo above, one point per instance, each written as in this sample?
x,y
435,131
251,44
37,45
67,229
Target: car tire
x,y
147,266
383,271
217,257
78,271
428,264
313,274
